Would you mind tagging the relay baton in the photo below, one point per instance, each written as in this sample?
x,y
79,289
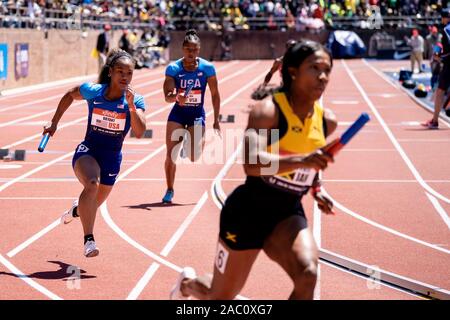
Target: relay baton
x,y
43,143
349,133
188,89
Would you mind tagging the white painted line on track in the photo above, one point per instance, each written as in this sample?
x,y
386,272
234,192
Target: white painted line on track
x,y
32,239
29,281
391,137
148,275
439,209
382,227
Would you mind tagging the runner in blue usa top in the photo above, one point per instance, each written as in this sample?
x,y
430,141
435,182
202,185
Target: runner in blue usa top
x,y
185,84
113,109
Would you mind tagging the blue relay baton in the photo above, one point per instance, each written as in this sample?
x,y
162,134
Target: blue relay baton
x,y
349,133
188,89
44,141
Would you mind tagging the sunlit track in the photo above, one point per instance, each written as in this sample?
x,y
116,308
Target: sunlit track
x,y
78,120
144,245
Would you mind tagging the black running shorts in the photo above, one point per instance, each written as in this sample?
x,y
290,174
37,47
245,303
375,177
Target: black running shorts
x,y
444,77
252,212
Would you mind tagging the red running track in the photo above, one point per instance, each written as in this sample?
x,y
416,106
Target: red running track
x,y
381,178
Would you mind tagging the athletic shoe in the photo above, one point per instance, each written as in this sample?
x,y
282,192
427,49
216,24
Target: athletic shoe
x,y
447,111
431,124
168,196
68,216
176,294
90,249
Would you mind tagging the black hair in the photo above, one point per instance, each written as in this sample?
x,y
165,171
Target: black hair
x,y
111,60
191,36
293,58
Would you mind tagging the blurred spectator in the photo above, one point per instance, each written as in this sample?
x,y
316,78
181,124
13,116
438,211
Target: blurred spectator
x,y
432,39
416,43
103,46
163,42
133,38
124,43
206,14
225,45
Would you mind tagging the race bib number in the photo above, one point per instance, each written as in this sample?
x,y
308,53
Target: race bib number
x,y
109,122
221,258
194,97
298,181
304,177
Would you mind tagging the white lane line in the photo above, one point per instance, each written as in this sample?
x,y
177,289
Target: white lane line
x,y
5,124
39,135
34,102
424,140
182,228
9,123
317,233
393,139
367,279
53,109
32,239
379,181
51,86
382,227
29,173
368,150
158,123
148,275
10,166
73,105
138,246
29,281
407,92
344,102
36,198
439,209
220,176
45,180
137,142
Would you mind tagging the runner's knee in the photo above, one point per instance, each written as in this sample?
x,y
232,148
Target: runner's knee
x,y
92,184
306,274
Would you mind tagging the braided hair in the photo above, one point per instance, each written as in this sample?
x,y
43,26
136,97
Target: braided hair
x,y
191,36
111,60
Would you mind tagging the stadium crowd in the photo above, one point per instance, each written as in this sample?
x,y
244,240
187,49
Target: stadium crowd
x,y
235,14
